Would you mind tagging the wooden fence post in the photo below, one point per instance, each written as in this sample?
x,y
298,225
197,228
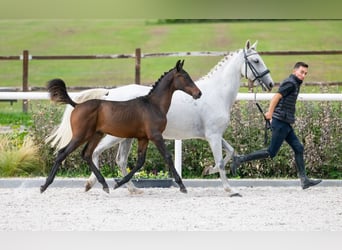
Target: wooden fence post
x,y
25,78
137,65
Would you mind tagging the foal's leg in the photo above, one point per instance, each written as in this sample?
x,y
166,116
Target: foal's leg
x,y
142,148
107,142
215,143
62,154
87,156
159,142
121,159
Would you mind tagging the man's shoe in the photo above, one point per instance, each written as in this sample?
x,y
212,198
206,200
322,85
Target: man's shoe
x,y
306,183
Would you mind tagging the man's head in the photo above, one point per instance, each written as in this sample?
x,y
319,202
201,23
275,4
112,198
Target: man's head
x,y
300,70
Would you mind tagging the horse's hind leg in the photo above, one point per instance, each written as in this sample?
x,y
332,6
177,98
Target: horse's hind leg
x,y
87,156
229,150
121,160
142,147
62,154
107,142
159,142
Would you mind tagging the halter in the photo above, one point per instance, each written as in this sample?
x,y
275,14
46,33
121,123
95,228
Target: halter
x,y
254,71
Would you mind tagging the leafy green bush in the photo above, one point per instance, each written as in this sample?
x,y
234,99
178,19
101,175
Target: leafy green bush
x,y
318,126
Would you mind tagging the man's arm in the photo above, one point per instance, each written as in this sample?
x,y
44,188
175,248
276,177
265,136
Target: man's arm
x,y
274,101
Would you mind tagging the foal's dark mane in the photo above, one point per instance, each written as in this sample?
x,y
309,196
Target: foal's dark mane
x,y
158,81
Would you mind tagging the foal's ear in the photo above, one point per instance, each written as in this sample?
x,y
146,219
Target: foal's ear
x,y
179,65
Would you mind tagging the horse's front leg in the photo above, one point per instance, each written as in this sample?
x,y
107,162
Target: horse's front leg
x,y
159,142
229,153
215,143
142,148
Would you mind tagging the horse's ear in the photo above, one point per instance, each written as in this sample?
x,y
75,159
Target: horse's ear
x,y
179,65
248,45
182,63
254,45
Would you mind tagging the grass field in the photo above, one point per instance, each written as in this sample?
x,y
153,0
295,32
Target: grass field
x,y
90,37
120,36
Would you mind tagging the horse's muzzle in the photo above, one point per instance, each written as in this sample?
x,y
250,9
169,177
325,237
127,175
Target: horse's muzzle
x,y
197,95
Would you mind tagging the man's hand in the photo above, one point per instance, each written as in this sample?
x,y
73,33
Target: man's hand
x,y
268,115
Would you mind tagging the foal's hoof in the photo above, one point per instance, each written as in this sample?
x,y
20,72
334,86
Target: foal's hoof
x,y
183,190
236,195
42,189
106,189
116,186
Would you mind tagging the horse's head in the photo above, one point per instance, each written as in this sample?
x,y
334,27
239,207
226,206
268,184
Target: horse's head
x,y
254,67
182,81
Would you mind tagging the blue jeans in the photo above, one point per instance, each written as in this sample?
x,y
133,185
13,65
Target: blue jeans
x,y
282,131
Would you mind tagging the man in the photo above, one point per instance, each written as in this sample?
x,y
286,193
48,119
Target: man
x,y
282,112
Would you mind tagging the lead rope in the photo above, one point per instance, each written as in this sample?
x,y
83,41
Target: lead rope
x,y
267,122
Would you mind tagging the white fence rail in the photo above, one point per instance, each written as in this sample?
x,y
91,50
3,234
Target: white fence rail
x,y
240,96
178,143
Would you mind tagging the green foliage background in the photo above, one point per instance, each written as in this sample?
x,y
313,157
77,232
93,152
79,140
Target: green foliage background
x,y
318,124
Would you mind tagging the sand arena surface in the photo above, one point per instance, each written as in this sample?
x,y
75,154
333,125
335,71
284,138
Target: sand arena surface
x,y
161,209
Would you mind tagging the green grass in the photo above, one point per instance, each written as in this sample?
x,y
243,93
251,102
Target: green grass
x,y
117,36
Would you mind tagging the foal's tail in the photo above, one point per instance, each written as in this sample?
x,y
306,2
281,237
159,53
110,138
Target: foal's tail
x,y
58,92
62,134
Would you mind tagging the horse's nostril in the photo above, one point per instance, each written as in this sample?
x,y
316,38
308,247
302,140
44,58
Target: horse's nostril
x,y
198,95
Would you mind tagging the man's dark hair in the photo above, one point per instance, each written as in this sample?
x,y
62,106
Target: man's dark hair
x,y
301,64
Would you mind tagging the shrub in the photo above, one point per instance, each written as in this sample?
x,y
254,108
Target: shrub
x,y
19,156
318,126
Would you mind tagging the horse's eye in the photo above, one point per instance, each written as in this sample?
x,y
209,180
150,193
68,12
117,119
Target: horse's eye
x,y
256,60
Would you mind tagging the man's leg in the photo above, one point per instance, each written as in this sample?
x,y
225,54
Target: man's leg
x,y
279,133
298,149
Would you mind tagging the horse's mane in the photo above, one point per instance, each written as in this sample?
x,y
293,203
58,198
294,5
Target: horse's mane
x,y
158,81
219,65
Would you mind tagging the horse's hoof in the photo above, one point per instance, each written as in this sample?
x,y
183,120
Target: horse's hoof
x,y
135,191
183,190
206,170
87,187
116,186
236,195
42,189
106,189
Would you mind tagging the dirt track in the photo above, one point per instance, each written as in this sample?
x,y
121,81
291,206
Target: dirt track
x,y
260,209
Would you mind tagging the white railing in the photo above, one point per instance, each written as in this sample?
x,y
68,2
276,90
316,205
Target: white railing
x,y
240,96
178,143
